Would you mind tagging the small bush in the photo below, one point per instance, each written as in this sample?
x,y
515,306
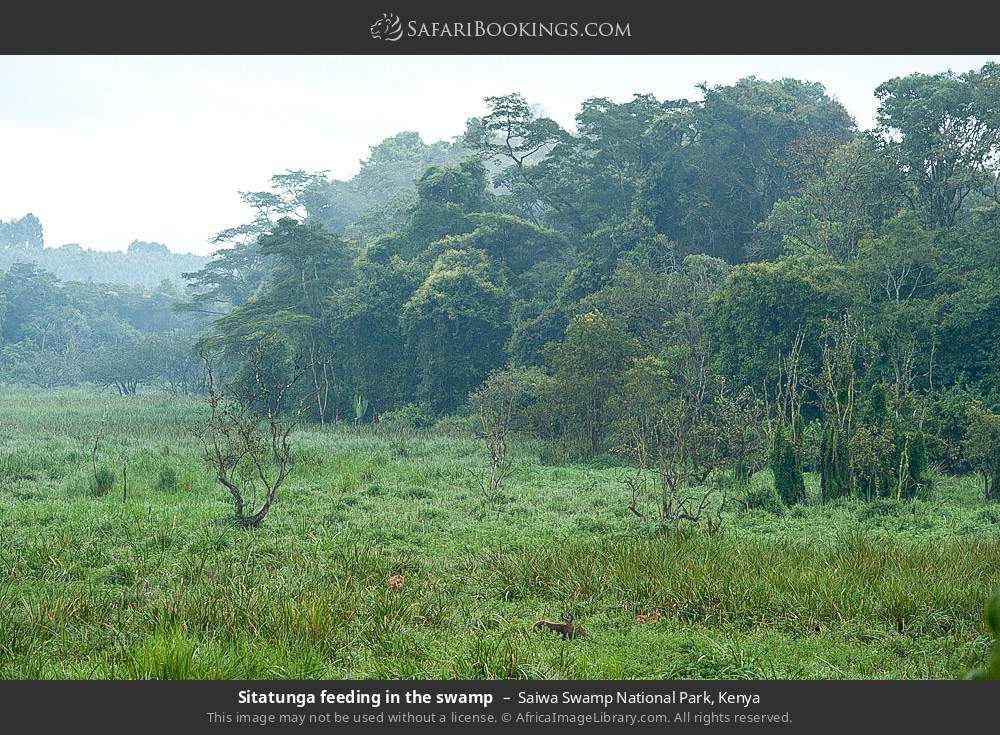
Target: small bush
x,y
603,462
879,508
103,481
992,668
989,514
410,417
167,481
764,497
523,391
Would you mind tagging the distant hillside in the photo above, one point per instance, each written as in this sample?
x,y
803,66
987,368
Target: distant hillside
x,y
143,264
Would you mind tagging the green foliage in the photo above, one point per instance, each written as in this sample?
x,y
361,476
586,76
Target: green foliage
x,y
914,480
947,133
588,367
714,233
103,481
788,482
859,188
887,596
410,417
947,423
54,333
630,241
754,142
982,449
875,459
370,203
739,420
514,135
360,408
143,265
522,393
836,480
992,668
810,440
763,496
24,232
641,408
455,326
879,508
167,481
762,308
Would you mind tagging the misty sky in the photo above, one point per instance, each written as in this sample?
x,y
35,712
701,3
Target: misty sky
x,y
105,150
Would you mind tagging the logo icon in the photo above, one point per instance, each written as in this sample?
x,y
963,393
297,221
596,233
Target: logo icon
x,y
387,28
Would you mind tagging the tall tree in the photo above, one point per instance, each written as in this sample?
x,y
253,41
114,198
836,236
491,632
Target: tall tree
x,y
455,325
947,128
741,152
310,264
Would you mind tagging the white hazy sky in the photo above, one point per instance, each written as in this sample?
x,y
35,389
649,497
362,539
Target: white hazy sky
x,y
105,150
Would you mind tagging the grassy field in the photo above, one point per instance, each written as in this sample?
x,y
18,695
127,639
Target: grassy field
x,y
160,586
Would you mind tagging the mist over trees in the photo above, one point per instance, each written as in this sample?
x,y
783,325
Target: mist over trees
x,y
142,264
375,199
751,253
23,232
54,333
371,202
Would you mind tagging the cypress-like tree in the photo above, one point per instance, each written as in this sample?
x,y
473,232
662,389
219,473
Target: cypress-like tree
x,y
914,472
787,475
798,440
835,465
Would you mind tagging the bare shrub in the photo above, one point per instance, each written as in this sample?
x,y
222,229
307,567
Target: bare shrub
x,y
246,436
503,402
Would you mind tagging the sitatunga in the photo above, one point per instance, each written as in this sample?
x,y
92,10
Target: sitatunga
x,y
565,630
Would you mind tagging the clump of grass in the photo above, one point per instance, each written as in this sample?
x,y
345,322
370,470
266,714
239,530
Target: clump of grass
x,y
989,515
167,480
880,507
763,496
159,589
103,481
490,658
15,466
166,654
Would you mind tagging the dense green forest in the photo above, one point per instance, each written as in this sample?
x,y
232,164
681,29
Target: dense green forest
x,y
698,281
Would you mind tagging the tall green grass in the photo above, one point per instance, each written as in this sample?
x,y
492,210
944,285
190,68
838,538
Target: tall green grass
x,y
160,586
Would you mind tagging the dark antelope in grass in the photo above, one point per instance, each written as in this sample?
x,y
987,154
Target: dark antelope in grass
x,y
565,630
